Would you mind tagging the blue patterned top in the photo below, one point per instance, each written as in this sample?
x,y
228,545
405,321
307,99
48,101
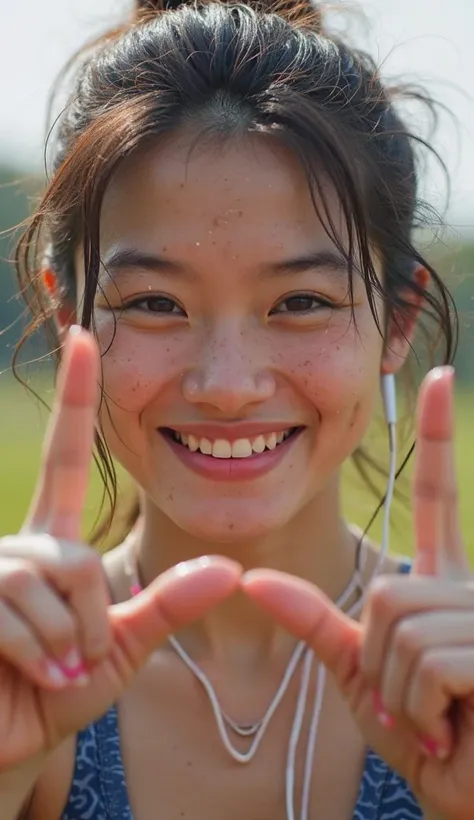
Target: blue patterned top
x,y
99,791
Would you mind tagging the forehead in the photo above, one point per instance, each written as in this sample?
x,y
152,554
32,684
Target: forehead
x,y
251,190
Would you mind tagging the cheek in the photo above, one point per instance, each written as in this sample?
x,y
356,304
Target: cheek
x,y
136,366
337,370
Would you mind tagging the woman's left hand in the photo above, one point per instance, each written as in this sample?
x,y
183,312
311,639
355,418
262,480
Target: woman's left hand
x,y
407,670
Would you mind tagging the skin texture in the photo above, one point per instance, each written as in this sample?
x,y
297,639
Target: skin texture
x,y
229,353
228,219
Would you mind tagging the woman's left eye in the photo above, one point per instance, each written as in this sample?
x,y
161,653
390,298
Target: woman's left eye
x,y
301,303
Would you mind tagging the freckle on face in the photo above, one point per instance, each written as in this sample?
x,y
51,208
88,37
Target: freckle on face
x,y
220,223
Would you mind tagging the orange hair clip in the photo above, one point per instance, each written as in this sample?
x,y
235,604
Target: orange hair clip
x,y
50,281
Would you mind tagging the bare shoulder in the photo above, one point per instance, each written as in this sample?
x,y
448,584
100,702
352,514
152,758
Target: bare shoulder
x,y
52,789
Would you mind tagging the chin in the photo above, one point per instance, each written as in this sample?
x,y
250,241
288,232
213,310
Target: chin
x,y
230,524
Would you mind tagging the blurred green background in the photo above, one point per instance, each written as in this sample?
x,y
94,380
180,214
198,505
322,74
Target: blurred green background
x,y
22,419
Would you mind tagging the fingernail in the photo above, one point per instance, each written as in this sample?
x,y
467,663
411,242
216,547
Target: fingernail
x,y
75,330
383,717
72,661
55,673
74,669
187,567
443,371
433,748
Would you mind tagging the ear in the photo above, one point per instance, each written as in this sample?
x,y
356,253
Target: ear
x,y
64,313
402,325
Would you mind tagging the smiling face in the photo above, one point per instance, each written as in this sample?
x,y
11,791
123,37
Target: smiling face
x,y
235,334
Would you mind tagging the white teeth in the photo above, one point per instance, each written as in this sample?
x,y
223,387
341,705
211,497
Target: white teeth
x,y
241,448
271,441
205,446
221,448
193,443
258,445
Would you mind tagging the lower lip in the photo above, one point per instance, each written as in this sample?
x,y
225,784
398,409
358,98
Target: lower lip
x,y
233,469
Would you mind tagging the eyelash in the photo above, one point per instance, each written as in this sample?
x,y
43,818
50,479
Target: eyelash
x,y
138,304
319,303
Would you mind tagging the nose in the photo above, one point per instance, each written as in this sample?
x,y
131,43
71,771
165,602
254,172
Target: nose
x,y
230,373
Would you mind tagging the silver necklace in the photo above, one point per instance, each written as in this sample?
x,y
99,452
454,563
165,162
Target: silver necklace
x,y
258,729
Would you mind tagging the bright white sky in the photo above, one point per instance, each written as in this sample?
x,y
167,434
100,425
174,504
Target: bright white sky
x,y
421,39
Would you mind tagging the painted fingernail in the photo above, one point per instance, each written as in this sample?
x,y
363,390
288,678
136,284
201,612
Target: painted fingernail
x,y
433,749
74,669
383,717
55,673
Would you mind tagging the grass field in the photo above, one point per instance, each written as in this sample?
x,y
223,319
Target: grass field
x,y
22,425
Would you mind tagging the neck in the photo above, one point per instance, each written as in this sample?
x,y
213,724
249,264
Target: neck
x,y
316,545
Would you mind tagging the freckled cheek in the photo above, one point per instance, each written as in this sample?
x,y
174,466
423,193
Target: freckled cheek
x,y
337,378
136,370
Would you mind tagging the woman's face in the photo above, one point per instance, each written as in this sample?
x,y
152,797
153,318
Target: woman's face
x,y
226,323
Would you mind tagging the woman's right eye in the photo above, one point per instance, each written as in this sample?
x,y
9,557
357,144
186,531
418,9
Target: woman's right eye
x,y
155,304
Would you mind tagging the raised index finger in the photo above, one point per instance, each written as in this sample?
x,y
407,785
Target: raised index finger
x,y
62,485
439,548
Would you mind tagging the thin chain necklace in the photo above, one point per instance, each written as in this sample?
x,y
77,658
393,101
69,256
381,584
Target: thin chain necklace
x,y
257,730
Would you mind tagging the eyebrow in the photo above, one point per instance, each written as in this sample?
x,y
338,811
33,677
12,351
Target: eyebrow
x,y
129,258
327,260
132,258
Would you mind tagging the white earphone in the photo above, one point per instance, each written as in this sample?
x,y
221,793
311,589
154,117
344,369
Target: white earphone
x,y
389,397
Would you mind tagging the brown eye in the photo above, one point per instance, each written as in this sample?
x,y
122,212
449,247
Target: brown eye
x,y
297,304
156,304
300,303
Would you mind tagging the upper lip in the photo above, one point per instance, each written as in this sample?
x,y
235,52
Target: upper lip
x,y
232,431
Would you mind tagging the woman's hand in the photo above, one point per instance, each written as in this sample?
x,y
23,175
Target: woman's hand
x,y
407,670
65,654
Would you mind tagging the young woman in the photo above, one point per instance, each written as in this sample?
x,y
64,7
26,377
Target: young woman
x,y
230,221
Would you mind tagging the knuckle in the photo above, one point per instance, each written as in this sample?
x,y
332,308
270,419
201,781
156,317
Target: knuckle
x,y
88,567
430,670
384,597
407,639
18,580
433,489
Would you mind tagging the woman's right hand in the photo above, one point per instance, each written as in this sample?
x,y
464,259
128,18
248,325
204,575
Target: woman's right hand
x,y
65,653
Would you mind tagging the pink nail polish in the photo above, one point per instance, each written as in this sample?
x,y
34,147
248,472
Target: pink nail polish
x,y
433,749
74,668
383,717
55,673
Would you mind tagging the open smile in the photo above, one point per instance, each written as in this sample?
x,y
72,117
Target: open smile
x,y
231,458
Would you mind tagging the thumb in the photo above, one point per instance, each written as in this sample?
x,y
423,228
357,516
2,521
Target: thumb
x,y
175,598
305,611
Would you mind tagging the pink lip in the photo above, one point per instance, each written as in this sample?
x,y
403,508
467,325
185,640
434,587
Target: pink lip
x,y
232,469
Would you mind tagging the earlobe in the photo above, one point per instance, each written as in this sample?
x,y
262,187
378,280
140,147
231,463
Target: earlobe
x,y
64,314
402,325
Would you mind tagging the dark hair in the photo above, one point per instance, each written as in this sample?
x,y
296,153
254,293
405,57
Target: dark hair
x,y
227,70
